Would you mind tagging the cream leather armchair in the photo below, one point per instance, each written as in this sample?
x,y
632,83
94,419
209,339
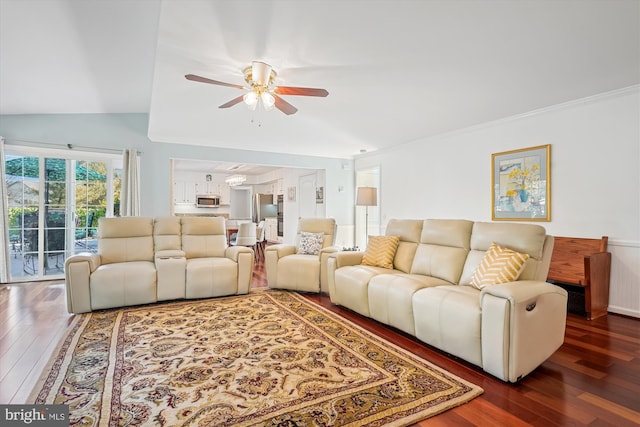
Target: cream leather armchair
x,y
212,268
289,268
122,273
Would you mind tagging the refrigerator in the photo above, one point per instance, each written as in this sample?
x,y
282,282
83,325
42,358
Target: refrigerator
x,y
263,207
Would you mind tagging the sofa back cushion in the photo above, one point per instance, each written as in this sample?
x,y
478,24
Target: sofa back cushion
x,y
408,230
166,234
327,226
203,237
444,245
125,239
530,239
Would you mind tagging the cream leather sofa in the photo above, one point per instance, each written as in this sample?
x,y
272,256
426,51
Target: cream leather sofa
x,y
507,329
145,260
288,268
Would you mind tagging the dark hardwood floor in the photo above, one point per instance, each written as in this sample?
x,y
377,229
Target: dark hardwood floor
x,y
592,380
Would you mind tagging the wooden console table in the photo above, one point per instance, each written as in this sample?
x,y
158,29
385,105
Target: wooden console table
x,y
583,266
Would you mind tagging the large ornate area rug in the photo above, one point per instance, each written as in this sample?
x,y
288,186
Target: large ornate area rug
x,y
269,358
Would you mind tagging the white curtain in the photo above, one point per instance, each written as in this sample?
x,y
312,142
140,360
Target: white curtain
x,y
130,191
4,220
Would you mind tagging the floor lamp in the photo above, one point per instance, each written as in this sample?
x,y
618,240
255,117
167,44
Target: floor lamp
x,y
367,196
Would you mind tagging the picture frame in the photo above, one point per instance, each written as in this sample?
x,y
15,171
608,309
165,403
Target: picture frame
x,y
521,184
291,194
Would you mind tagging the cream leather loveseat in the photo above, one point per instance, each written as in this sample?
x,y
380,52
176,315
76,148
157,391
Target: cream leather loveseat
x,y
145,260
507,329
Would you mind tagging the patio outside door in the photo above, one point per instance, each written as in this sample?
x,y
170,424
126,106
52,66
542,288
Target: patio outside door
x,y
53,213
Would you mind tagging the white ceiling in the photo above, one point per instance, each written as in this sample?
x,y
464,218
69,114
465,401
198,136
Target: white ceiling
x,y
395,70
208,166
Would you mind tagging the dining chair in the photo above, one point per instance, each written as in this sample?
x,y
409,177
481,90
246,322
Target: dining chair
x,y
246,236
260,241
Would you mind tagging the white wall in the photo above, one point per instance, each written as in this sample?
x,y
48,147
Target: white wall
x,y
595,177
119,131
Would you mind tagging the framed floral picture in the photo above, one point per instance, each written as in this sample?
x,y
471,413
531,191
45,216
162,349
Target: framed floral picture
x,y
521,184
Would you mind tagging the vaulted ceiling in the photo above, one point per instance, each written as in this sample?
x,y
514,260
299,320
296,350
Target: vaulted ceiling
x,y
396,71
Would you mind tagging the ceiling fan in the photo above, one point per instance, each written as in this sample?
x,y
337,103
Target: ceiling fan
x,y
260,77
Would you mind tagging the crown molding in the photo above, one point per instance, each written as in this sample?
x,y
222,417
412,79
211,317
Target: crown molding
x,y
502,121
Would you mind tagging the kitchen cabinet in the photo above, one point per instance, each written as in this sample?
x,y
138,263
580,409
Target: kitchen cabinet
x,y
184,192
216,189
277,187
271,230
224,191
207,187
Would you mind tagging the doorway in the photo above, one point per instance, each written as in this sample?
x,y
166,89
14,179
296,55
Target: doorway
x,y
307,197
240,203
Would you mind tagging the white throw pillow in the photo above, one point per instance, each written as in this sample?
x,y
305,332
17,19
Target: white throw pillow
x,y
310,243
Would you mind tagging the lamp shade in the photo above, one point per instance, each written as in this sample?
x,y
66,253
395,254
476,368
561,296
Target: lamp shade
x,y
367,196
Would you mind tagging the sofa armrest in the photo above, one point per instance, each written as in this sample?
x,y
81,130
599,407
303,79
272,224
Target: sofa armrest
x,y
77,270
523,324
345,258
94,260
329,250
272,254
522,291
281,250
245,259
233,252
325,253
337,260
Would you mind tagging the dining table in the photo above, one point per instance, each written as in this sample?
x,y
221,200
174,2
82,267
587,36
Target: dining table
x,y
230,230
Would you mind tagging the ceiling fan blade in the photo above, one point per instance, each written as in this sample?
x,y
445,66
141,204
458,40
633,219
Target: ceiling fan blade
x,y
284,106
195,78
233,102
304,91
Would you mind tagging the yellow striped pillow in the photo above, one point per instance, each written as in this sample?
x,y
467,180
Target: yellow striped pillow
x,y
380,251
499,265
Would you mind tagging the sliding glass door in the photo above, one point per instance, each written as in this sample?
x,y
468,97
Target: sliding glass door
x,y
54,206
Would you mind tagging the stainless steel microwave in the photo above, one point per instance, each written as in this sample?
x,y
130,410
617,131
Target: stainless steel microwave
x,y
207,201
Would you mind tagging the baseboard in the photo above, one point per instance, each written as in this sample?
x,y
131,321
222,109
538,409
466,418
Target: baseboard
x,y
624,311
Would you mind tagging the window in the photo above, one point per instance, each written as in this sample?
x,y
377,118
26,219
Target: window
x,y
55,201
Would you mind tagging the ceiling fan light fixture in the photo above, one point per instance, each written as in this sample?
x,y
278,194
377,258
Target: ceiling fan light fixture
x,y
267,100
260,78
234,180
251,99
261,73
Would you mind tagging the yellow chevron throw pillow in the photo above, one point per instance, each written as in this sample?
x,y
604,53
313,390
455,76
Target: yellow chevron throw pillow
x,y
380,251
499,265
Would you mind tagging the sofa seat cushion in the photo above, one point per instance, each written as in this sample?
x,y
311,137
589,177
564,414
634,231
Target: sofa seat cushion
x,y
211,277
390,298
122,284
449,318
351,283
299,272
